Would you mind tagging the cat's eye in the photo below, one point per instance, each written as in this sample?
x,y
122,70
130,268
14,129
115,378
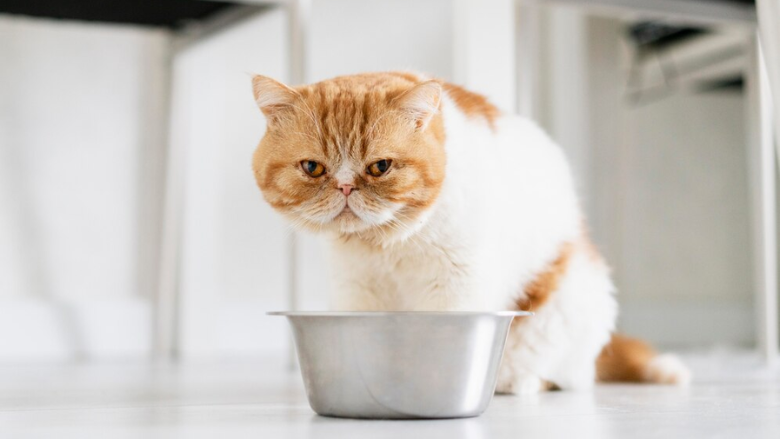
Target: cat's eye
x,y
312,168
378,169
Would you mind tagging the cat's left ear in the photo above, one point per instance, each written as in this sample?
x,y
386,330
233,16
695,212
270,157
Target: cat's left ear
x,y
421,102
273,97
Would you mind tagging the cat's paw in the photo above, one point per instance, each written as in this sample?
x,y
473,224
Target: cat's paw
x,y
667,369
523,385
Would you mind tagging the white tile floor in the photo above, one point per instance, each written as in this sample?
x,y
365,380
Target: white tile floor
x,y
732,397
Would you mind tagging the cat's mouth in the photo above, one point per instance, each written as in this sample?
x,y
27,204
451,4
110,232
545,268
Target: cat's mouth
x,y
353,218
349,221
346,212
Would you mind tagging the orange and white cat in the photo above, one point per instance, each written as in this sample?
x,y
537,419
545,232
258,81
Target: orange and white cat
x,y
435,200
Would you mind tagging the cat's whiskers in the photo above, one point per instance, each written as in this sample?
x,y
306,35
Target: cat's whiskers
x,y
411,235
382,232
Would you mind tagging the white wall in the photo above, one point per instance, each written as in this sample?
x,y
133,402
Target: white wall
x,y
233,268
77,136
664,185
349,36
685,269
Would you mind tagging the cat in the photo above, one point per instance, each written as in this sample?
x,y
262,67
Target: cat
x,y
433,199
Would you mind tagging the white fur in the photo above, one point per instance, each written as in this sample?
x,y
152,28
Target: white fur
x,y
667,369
506,208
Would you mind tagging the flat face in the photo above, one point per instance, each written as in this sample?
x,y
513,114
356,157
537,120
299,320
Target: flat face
x,y
354,156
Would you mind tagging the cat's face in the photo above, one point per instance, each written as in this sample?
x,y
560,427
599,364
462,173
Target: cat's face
x,y
353,155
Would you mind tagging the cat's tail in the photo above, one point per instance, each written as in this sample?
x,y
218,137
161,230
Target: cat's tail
x,y
626,359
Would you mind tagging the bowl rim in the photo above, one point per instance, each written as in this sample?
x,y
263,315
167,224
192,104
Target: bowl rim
x,y
398,313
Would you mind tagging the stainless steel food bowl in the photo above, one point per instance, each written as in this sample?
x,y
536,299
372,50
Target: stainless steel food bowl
x,y
400,365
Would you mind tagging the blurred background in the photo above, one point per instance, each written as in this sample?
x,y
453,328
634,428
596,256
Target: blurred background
x,y
131,226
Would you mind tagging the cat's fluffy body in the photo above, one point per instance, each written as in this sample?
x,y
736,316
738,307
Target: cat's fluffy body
x,y
501,229
507,210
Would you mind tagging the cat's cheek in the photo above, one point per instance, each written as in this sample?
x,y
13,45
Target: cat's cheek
x,y
374,211
385,216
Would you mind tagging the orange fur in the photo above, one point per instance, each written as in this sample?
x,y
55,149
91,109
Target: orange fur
x,y
351,119
473,104
538,291
624,359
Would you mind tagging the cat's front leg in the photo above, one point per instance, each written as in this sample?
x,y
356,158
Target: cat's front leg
x,y
360,296
411,285
520,383
456,293
353,295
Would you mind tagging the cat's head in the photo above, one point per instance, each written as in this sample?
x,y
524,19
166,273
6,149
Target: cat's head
x,y
358,155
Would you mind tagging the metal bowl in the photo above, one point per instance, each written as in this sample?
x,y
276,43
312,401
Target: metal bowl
x,y
400,365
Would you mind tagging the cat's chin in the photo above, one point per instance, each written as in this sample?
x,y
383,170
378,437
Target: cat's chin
x,y
348,223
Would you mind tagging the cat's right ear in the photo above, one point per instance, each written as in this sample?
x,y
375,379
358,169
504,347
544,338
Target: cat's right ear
x,y
272,97
421,102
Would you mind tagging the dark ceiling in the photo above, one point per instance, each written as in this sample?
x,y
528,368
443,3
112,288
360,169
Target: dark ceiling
x,y
165,13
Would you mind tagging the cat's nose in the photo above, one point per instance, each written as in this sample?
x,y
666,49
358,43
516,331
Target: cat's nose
x,y
346,188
